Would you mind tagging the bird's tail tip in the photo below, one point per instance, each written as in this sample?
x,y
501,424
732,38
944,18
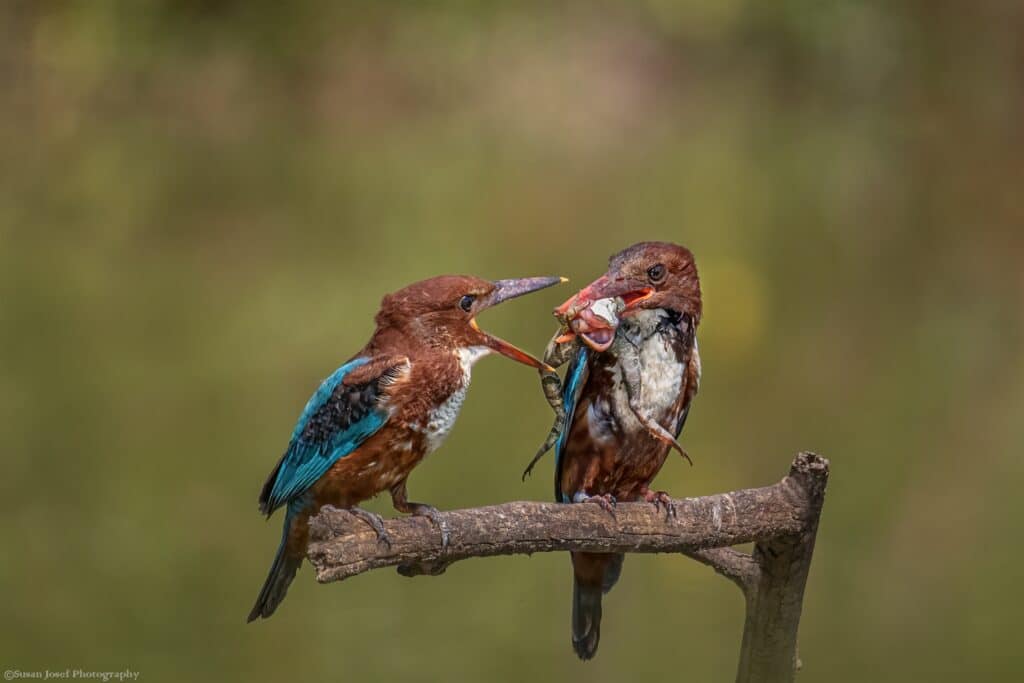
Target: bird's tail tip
x,y
586,619
276,586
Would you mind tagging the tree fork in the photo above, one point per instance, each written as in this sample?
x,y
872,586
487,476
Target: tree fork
x,y
781,520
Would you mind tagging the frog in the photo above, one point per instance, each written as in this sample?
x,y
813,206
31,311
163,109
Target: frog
x,y
592,324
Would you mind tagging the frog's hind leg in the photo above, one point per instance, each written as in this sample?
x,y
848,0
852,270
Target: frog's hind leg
x,y
629,361
558,351
552,386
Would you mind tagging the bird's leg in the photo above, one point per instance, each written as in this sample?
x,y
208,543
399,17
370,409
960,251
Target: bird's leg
x,y
403,504
375,521
629,361
659,498
606,501
555,355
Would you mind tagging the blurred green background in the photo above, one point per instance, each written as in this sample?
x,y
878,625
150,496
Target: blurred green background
x,y
202,203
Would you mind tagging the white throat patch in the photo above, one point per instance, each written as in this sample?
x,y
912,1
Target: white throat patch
x,y
442,419
663,377
470,355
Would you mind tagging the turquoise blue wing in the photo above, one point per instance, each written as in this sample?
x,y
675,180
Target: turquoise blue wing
x,y
575,378
337,419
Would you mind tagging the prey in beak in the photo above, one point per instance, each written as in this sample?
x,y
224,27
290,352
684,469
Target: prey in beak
x,y
595,323
631,291
503,291
594,312
649,276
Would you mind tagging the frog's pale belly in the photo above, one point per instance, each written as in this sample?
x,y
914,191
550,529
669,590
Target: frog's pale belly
x,y
663,372
623,454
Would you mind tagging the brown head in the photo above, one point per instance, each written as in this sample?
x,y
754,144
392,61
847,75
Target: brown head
x,y
647,275
441,312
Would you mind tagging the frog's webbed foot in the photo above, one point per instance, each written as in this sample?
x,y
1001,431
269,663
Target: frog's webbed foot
x,y
658,432
544,448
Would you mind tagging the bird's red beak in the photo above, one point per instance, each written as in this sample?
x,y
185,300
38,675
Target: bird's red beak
x,y
510,350
630,291
597,331
503,291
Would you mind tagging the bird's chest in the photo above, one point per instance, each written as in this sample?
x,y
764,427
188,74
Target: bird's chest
x,y
649,365
438,423
435,421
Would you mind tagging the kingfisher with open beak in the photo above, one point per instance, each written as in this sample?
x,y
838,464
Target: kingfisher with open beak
x,y
378,415
634,368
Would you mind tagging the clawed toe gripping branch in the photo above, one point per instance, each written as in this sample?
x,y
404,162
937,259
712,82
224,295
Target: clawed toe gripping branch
x,y
781,520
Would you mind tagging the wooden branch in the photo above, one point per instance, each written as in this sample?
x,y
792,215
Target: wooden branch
x,y
775,601
740,568
781,520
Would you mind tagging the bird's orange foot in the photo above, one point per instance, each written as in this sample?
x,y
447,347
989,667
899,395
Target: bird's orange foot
x,y
659,499
606,502
376,522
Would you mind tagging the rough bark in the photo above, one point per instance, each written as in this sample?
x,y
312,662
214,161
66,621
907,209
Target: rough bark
x,y
775,598
781,520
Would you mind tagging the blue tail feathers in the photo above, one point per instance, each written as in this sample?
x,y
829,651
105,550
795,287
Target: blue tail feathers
x,y
586,619
280,577
586,606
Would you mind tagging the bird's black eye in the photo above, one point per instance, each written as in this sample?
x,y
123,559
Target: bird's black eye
x,y
656,272
466,302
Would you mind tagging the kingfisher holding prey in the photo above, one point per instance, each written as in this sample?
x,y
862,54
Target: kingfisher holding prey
x,y
378,415
625,399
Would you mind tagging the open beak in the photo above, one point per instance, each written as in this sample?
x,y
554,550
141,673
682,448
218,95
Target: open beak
x,y
585,315
631,292
510,289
